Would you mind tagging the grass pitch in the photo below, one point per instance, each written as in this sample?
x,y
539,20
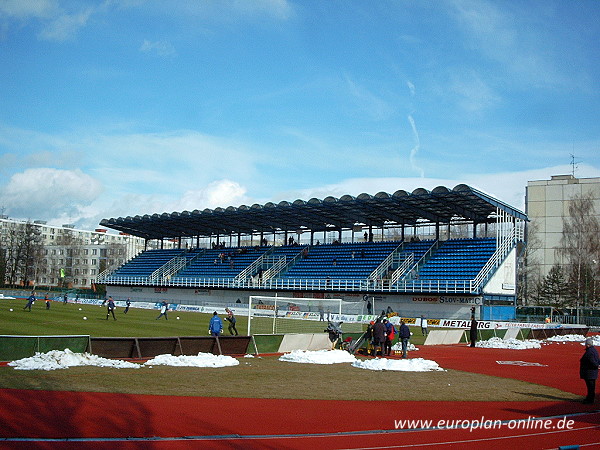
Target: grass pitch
x,y
63,319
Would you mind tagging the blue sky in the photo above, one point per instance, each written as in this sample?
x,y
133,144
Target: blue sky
x,y
115,108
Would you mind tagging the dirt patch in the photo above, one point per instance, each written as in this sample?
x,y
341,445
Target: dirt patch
x,y
267,377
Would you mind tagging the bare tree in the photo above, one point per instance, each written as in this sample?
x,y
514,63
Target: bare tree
x,y
529,268
580,249
21,253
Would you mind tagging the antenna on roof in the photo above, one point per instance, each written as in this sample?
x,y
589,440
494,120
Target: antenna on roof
x,y
574,164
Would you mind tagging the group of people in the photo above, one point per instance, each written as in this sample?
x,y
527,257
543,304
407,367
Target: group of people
x,y
47,301
381,333
215,326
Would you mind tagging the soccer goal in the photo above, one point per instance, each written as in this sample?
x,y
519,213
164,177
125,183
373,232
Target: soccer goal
x,y
281,315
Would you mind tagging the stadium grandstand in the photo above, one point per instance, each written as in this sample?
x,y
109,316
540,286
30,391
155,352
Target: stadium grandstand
x,y
436,253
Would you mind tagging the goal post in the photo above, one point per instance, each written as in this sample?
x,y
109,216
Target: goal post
x,y
280,315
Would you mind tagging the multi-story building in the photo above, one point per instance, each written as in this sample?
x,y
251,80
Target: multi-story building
x,y
68,256
547,205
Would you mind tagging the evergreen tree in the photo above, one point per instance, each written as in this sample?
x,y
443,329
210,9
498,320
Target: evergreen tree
x,y
554,289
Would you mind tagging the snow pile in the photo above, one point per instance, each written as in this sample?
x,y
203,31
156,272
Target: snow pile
x,y
596,339
513,344
63,359
573,338
318,357
403,365
566,338
410,347
199,360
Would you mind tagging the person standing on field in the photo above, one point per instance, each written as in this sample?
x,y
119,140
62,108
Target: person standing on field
x,y
30,301
424,325
378,337
473,331
231,319
215,326
390,333
127,305
588,370
110,308
404,336
163,310
47,300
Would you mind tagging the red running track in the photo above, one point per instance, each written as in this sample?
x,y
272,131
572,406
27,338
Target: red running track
x,y
46,419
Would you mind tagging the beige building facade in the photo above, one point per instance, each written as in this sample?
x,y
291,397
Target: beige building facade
x,y
547,204
74,257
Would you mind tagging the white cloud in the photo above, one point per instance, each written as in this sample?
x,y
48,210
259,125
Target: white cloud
x,y
415,149
48,192
510,38
474,94
161,48
65,26
25,9
371,104
508,187
221,193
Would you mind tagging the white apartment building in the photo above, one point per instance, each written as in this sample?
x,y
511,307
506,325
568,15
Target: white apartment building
x,y
547,204
73,257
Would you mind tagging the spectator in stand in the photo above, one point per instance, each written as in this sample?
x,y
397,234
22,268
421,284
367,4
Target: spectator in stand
x,y
588,370
424,330
231,319
110,308
30,301
215,326
404,336
378,337
163,310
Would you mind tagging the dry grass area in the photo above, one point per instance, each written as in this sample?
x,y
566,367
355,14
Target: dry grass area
x,y
267,377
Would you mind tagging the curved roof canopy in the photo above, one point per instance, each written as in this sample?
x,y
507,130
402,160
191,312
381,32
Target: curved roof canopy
x,y
441,205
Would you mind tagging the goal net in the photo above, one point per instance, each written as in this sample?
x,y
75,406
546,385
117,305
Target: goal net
x,y
281,315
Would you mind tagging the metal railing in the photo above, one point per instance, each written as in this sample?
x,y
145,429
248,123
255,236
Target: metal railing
x,y
386,263
254,267
349,285
171,267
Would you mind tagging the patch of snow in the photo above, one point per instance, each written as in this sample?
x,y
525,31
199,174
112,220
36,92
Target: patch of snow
x,y
410,347
63,359
403,365
318,357
513,344
567,338
199,360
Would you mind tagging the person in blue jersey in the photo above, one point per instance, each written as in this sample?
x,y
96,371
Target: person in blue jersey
x,y
30,301
110,308
215,326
